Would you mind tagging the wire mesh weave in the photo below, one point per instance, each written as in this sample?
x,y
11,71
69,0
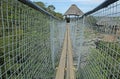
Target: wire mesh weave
x,y
102,31
25,43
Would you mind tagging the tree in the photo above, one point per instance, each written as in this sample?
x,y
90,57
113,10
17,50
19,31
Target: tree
x,y
59,15
41,4
51,7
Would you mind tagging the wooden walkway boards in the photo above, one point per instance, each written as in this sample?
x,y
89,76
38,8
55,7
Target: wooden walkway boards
x,y
66,69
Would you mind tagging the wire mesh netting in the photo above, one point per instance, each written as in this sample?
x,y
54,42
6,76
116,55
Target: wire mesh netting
x,y
31,42
101,58
26,51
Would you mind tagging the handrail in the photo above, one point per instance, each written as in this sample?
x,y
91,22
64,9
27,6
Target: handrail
x,y
36,7
101,6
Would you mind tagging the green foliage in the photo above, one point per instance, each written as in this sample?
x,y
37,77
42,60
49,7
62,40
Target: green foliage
x,y
92,20
41,4
112,49
56,14
59,15
24,42
51,7
102,61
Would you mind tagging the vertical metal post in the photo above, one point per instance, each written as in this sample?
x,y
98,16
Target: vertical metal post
x,y
52,41
0,73
81,41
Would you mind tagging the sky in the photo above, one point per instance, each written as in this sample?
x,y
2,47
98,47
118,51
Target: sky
x,y
62,5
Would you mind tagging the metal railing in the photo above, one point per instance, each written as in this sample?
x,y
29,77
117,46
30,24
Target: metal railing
x,y
28,47
101,57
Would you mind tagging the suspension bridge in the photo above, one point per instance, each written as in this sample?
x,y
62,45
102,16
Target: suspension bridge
x,y
36,45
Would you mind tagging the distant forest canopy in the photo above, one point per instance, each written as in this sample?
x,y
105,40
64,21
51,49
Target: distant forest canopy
x,y
47,8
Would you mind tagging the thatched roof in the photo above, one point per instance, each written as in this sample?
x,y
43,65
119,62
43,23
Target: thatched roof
x,y
74,10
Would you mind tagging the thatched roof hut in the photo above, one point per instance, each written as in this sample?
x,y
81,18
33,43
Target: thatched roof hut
x,y
72,13
73,10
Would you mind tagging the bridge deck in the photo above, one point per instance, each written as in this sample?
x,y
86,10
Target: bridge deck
x,y
66,68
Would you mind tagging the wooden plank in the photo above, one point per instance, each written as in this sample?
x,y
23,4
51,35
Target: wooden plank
x,y
61,68
66,60
70,65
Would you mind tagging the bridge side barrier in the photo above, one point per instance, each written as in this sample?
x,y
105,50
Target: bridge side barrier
x,y
101,57
26,51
